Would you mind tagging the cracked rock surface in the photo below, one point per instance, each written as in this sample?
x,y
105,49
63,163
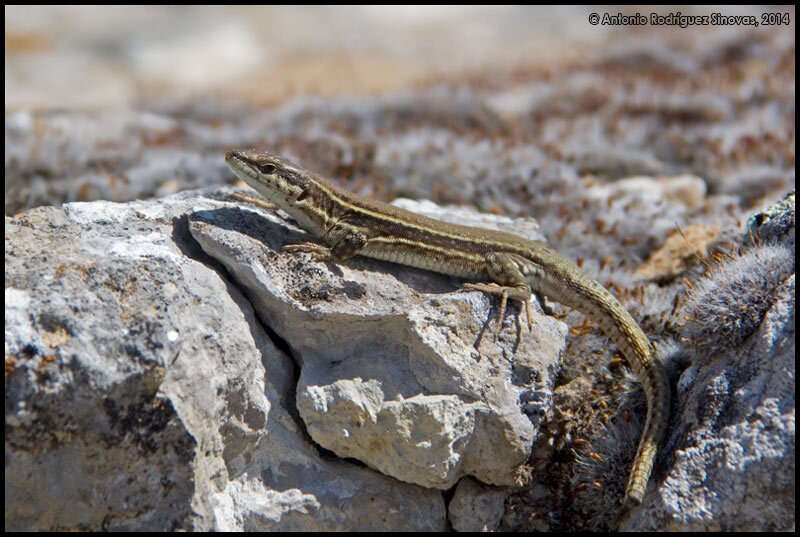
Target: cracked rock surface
x,y
142,369
389,370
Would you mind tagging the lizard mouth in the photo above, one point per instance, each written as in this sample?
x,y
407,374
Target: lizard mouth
x,y
240,162
236,156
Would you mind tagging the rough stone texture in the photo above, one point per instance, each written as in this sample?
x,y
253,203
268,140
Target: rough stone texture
x,y
775,224
143,394
732,459
398,367
728,459
476,507
733,462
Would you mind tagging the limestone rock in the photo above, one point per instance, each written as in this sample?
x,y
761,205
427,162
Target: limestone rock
x,y
398,366
143,394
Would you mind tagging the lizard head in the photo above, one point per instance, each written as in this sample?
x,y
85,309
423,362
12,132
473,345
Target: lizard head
x,y
274,177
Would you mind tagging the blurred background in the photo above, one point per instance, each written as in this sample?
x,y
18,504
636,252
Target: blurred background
x,y
500,107
84,56
510,109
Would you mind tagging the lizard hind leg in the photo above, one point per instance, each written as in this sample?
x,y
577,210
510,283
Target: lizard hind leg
x,y
508,281
504,292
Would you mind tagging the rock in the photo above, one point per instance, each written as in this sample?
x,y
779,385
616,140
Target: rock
x,y
476,507
398,366
143,391
774,224
731,462
677,253
687,190
143,394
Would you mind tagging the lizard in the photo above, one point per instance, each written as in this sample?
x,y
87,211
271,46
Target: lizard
x,y
495,262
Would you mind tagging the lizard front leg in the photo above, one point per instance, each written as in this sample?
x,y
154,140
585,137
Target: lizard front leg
x,y
345,243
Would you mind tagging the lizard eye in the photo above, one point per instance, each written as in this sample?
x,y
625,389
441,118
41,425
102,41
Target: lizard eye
x,y
268,169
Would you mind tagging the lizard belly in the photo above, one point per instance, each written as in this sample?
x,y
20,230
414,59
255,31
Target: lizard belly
x,y
466,266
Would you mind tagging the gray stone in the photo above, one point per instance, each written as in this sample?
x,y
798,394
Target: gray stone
x,y
775,224
476,507
143,394
398,367
733,462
